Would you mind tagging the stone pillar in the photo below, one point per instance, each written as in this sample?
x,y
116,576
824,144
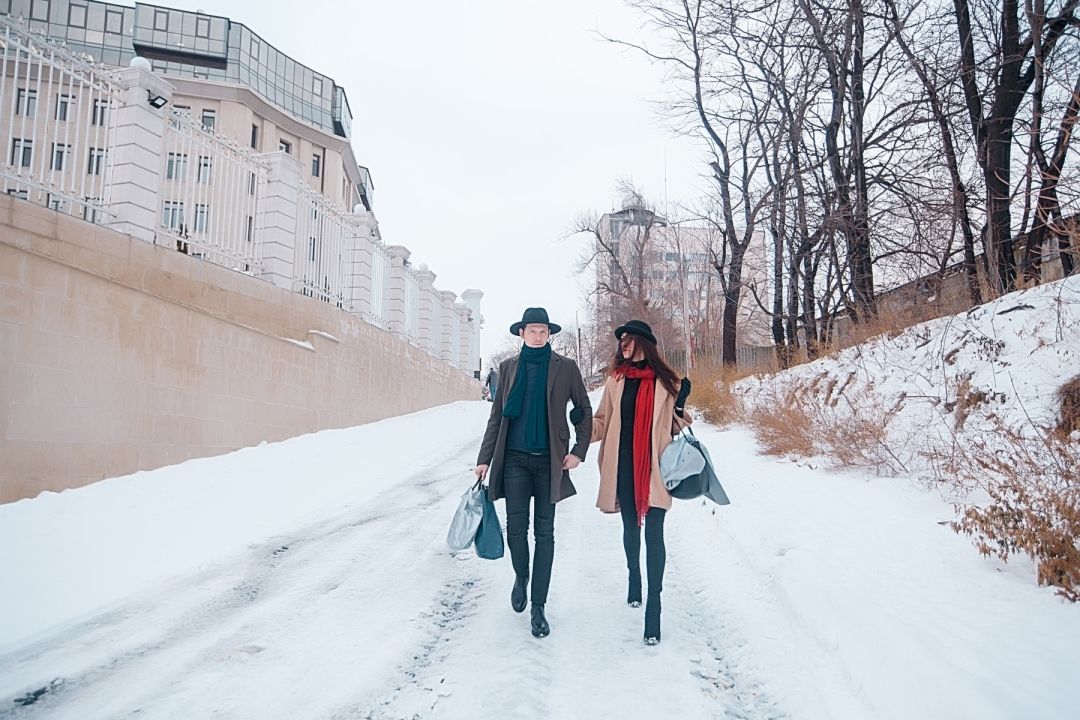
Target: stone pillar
x,y
137,157
426,312
472,299
395,289
279,223
358,262
465,338
448,326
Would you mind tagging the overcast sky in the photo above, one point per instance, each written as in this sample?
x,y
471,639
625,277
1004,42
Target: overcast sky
x,y
488,126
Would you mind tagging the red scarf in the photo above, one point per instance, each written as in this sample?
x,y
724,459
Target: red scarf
x,y
643,412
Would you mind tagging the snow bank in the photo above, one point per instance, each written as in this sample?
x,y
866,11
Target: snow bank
x,y
949,380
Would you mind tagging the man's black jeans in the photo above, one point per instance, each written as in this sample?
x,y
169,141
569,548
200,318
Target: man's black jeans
x,y
528,476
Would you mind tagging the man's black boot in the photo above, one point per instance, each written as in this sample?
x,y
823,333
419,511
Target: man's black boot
x,y
518,596
540,627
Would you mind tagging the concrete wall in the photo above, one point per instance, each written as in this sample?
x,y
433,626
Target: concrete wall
x,y
117,355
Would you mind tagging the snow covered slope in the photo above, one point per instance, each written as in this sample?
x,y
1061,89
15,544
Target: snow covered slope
x,y
947,381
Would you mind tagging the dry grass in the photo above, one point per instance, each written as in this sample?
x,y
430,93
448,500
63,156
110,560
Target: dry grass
x,y
712,394
1068,397
801,424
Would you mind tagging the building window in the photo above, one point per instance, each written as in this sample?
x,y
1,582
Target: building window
x,y
255,137
77,15
39,10
206,166
254,48
63,106
161,20
250,230
316,165
176,166
21,194
202,27
286,146
114,22
202,218
172,215
26,102
311,249
101,108
22,152
89,212
316,86
96,162
209,119
54,202
59,156
183,109
251,183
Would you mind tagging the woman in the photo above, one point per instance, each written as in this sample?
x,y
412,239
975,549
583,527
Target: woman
x,y
641,409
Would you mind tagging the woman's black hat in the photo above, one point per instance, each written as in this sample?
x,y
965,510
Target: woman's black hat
x,y
636,327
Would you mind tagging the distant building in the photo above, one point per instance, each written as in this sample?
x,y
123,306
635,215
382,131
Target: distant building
x,y
647,265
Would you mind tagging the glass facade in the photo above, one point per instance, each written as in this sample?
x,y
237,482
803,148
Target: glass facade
x,y
188,44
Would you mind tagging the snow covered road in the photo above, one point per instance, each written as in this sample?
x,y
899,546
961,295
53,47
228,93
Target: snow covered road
x,y
310,579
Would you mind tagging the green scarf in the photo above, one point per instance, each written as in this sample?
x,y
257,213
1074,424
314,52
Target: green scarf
x,y
537,389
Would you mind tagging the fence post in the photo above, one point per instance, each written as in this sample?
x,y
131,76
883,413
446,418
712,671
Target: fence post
x,y
358,270
426,330
137,157
395,290
447,330
472,299
279,223
463,358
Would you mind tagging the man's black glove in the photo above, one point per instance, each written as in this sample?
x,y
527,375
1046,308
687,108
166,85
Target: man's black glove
x,y
684,392
576,414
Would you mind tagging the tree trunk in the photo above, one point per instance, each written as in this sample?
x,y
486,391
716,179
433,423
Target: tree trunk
x,y
732,294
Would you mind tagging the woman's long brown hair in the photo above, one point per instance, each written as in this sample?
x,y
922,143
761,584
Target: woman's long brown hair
x,y
664,373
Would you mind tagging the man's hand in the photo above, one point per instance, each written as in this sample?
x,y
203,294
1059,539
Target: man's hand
x,y
570,462
481,471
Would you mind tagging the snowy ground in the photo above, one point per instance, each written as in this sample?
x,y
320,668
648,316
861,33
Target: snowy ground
x,y
310,579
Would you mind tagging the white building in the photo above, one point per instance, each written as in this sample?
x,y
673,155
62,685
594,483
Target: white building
x,y
188,129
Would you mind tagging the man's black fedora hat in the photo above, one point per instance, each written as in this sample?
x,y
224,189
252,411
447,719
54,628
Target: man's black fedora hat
x,y
636,327
534,315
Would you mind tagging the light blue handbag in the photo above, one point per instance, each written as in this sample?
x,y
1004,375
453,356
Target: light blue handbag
x,y
688,472
467,518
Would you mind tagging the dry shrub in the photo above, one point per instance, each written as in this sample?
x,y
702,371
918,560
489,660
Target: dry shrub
x,y
783,427
1033,507
890,321
713,396
860,441
1068,397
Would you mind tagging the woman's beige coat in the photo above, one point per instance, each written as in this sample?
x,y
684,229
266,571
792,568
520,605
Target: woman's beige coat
x,y
607,421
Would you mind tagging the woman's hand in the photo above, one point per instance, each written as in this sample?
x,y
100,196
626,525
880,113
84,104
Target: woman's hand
x,y
684,392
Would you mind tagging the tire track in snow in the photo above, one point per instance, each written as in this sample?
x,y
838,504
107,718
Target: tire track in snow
x,y
193,622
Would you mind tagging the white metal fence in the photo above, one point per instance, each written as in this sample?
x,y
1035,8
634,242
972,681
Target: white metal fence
x,y
211,195
57,124
380,274
323,237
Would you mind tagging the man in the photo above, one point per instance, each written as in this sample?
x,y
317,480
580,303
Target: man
x,y
492,382
525,452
